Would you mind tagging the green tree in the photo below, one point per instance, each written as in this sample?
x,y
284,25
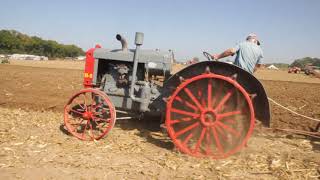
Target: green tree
x,y
12,41
306,60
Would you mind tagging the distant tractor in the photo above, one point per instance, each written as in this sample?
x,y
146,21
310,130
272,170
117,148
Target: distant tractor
x,y
312,70
209,108
294,70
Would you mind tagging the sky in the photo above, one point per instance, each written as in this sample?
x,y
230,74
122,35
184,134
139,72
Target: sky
x,y
287,29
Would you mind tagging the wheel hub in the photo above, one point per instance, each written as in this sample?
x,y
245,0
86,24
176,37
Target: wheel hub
x,y
87,115
208,118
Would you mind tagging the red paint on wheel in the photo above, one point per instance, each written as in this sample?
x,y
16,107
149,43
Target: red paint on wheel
x,y
89,115
207,133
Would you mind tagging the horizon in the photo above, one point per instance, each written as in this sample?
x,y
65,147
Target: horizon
x,y
287,29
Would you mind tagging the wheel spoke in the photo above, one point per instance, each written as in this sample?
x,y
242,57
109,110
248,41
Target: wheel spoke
x,y
175,121
99,125
103,111
101,119
93,98
186,119
208,150
217,95
199,92
231,130
91,131
84,130
194,99
194,115
98,105
73,124
77,112
184,143
85,101
216,138
230,121
178,99
180,120
186,103
78,125
221,132
191,106
80,104
203,102
224,100
232,113
203,132
209,94
186,129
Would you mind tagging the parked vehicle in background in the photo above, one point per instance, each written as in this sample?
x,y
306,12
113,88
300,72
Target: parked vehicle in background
x,y
294,69
313,70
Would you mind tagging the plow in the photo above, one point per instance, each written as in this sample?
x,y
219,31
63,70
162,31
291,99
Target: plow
x,y
209,109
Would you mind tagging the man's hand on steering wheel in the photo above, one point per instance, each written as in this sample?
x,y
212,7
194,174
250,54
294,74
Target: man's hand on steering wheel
x,y
210,57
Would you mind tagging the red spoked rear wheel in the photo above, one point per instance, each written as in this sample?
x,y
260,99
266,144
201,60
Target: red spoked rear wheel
x,y
89,114
210,116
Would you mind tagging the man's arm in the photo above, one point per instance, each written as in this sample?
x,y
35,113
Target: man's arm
x,y
226,53
259,63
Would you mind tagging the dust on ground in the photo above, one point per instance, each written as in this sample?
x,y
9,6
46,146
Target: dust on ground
x,y
34,145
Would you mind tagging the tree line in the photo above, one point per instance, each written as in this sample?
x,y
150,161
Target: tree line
x,y
301,63
14,42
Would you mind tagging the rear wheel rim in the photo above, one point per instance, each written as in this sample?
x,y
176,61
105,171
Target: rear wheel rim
x,y
89,115
210,116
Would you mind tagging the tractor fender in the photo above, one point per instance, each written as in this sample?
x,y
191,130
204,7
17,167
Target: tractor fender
x,y
251,84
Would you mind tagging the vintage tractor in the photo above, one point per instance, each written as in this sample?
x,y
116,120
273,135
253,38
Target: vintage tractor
x,y
294,70
309,69
209,108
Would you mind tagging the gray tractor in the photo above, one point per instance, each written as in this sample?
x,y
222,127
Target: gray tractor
x,y
209,108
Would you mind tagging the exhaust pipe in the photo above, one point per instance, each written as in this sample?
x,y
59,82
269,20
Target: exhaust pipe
x,y
123,41
138,41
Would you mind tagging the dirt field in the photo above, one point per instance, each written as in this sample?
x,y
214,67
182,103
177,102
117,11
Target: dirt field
x,y
34,144
58,64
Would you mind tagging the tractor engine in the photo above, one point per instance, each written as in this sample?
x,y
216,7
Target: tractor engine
x,y
127,76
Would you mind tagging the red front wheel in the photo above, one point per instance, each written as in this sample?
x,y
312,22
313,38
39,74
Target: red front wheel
x,y
89,114
210,116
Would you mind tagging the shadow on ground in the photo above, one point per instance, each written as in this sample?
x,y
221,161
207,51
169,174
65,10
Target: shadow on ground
x,y
148,128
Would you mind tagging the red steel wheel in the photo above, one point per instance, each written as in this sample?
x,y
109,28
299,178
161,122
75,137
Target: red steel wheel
x,y
210,115
89,114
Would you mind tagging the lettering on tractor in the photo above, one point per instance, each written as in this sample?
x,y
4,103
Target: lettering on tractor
x,y
209,108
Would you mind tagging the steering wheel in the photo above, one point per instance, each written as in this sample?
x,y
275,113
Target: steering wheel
x,y
208,56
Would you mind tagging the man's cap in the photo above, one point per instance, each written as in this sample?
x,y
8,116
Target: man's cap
x,y
253,36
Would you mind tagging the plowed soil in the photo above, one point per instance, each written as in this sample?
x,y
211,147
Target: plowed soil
x,y
34,144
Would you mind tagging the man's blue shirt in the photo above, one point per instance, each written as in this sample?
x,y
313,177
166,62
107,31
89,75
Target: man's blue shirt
x,y
248,55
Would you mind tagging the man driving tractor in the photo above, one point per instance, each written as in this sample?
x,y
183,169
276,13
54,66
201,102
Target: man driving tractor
x,y
248,54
